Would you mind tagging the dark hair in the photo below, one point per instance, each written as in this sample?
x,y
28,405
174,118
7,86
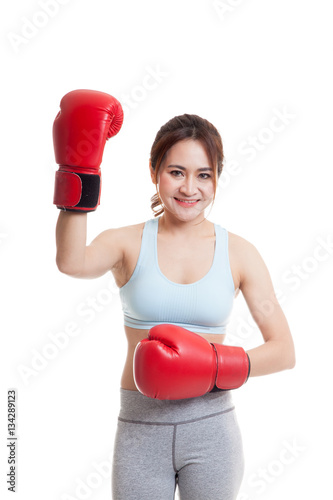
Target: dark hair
x,y
181,128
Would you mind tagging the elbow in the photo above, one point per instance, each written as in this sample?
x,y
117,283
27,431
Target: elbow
x,y
292,363
67,268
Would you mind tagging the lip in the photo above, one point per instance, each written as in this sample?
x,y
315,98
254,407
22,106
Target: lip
x,y
187,203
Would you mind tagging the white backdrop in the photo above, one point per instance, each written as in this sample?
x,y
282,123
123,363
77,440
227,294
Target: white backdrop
x,y
261,72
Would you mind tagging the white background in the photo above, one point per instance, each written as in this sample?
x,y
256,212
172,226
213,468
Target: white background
x,y
239,64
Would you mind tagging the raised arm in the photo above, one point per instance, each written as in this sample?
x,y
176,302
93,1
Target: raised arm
x,y
87,119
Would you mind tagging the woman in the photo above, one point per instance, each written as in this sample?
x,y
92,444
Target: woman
x,y
177,268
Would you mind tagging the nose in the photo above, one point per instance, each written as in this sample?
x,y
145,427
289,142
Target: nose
x,y
188,186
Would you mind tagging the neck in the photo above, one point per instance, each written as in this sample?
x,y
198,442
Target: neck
x,y
177,227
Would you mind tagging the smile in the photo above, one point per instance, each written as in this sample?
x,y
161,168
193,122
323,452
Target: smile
x,y
186,202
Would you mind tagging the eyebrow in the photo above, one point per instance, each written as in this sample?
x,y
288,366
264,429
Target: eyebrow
x,y
203,169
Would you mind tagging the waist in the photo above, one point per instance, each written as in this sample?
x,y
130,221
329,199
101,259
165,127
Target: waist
x,y
138,324
137,408
135,335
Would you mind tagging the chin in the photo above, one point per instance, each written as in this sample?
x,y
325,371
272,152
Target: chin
x,y
185,217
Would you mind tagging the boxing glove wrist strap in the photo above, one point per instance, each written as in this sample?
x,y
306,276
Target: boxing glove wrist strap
x,y
233,367
76,190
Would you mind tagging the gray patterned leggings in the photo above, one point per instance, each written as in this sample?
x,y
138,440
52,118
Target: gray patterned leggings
x,y
194,444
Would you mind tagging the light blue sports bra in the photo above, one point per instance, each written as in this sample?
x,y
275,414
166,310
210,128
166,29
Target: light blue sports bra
x,y
149,298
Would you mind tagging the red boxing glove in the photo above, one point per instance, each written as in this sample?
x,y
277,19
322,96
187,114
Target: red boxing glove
x,y
87,119
174,363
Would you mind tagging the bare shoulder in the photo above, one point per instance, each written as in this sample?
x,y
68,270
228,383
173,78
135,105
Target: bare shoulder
x,y
245,260
250,266
127,239
122,235
124,238
109,251
131,238
111,246
240,247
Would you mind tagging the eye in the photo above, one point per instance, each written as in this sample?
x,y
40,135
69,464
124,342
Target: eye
x,y
205,176
176,172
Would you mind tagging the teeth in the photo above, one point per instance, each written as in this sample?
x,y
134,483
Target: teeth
x,y
187,201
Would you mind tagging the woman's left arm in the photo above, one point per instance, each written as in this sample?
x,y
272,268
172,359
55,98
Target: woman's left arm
x,y
277,353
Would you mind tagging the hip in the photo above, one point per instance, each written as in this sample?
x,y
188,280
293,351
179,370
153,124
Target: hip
x,y
137,408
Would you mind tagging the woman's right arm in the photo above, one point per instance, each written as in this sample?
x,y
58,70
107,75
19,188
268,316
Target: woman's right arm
x,y
86,119
75,258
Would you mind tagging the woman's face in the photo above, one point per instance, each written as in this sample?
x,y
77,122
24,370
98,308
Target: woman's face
x,y
185,180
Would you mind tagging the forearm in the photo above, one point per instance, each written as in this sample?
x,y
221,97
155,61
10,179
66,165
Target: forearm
x,y
271,357
71,236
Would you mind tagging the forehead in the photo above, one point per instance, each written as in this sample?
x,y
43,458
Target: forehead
x,y
188,153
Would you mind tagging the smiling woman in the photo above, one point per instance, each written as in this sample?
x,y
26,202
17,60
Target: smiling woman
x,y
175,133
186,184
178,274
